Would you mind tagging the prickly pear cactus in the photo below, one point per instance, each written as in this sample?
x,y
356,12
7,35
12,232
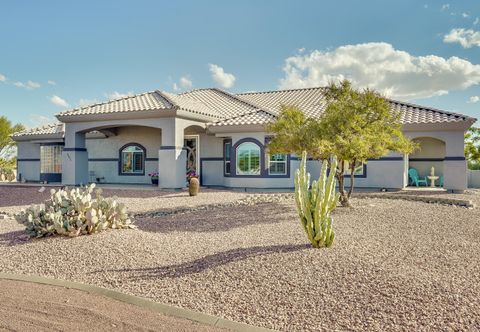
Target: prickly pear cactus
x,y
315,204
74,212
193,187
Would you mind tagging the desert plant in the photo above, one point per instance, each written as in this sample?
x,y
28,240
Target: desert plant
x,y
74,212
193,186
315,204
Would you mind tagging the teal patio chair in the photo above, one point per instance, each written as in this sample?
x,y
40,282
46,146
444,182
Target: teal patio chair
x,y
441,181
415,178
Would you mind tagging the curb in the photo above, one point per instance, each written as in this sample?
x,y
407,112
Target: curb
x,y
420,198
139,301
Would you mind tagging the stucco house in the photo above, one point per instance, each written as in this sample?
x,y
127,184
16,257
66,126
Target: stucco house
x,y
221,136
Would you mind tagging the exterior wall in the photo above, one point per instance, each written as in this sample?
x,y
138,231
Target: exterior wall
x,y
104,154
211,160
28,161
473,178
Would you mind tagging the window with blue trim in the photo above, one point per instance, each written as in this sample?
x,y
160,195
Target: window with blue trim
x,y
248,159
132,160
358,171
227,147
277,164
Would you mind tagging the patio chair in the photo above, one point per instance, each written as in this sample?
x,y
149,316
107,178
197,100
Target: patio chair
x,y
441,181
415,178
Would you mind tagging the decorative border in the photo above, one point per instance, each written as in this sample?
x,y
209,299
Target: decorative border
x,y
28,159
75,149
120,173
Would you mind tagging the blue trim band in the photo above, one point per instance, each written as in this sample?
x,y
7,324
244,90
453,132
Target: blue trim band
x,y
50,144
75,149
172,147
51,177
28,159
103,159
151,159
387,159
455,158
426,159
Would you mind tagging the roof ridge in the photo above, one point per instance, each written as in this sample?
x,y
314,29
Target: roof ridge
x,y
283,90
243,114
429,108
249,103
162,94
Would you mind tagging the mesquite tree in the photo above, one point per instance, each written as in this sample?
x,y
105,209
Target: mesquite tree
x,y
355,126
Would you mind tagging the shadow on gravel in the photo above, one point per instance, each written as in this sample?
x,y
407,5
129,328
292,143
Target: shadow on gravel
x,y
13,238
215,219
207,262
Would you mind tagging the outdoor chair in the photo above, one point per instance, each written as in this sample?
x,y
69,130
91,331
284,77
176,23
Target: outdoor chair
x,y
441,181
415,178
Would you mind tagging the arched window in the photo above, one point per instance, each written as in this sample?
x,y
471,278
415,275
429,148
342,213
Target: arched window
x,y
132,159
248,159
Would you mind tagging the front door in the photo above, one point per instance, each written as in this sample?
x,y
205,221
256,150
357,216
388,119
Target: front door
x,y
191,144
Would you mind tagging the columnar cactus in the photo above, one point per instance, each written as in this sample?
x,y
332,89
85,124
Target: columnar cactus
x,y
315,205
74,212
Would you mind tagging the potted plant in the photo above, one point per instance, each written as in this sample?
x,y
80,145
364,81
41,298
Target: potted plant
x,y
154,177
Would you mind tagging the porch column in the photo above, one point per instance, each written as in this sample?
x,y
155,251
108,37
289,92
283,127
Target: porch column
x,y
74,158
455,165
172,158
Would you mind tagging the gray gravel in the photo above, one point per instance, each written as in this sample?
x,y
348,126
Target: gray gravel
x,y
396,265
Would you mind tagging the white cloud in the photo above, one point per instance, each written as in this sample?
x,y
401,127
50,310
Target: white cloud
x,y
477,20
474,99
446,6
118,95
186,82
30,85
51,82
465,15
36,120
85,102
379,66
56,100
175,87
466,38
225,80
3,78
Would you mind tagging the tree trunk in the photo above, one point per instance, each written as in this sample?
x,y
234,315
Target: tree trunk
x,y
352,178
341,185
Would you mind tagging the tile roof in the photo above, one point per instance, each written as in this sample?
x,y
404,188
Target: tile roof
x,y
140,102
50,129
225,109
312,101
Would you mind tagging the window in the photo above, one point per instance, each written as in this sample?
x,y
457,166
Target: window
x,y
51,158
248,159
227,147
277,164
132,160
358,171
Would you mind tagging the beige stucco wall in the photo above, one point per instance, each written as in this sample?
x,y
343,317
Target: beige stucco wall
x,y
29,169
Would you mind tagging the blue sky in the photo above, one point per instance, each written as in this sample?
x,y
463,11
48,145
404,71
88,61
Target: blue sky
x,y
62,54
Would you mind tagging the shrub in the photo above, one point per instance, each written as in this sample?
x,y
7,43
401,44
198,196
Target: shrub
x,y
74,212
315,205
193,186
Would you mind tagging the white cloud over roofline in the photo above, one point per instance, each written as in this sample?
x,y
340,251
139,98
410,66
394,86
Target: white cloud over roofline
x,y
380,66
225,80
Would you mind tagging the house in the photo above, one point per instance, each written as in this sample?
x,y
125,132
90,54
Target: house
x,y
222,137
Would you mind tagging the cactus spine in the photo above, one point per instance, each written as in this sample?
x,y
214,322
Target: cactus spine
x,y
193,186
315,205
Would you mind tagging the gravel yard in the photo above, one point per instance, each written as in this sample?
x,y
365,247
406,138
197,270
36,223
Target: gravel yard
x,y
395,265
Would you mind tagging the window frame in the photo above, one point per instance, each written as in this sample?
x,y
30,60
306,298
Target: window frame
x,y
121,155
227,144
258,146
363,174
270,161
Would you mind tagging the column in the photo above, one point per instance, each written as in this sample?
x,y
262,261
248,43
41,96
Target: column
x,y
74,158
455,165
172,157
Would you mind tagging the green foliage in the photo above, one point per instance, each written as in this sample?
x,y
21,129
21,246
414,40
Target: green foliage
x,y
193,186
74,212
315,204
354,127
472,148
6,130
